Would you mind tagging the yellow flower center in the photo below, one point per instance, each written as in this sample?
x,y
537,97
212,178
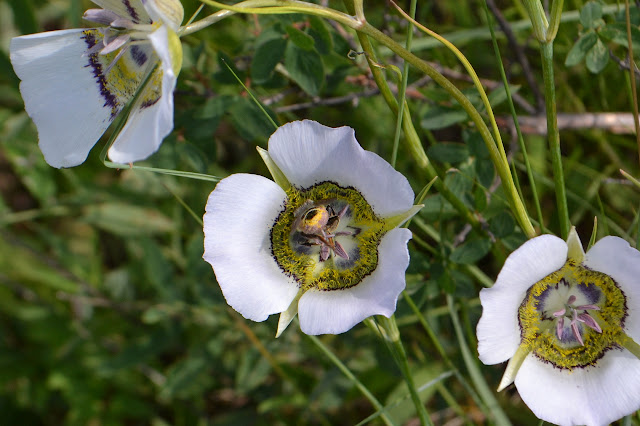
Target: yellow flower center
x,y
573,316
326,237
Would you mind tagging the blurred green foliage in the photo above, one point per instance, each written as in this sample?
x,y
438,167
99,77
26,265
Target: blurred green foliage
x,y
109,315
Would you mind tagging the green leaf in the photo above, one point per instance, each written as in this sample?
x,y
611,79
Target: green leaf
x,y
301,39
250,121
21,265
213,108
321,35
401,407
590,13
471,251
305,68
225,76
580,49
267,56
440,117
617,33
480,198
485,171
597,58
186,378
448,152
502,224
127,220
499,95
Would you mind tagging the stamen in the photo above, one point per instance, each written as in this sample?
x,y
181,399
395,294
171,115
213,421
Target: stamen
x,y
589,321
560,328
560,313
115,44
574,327
118,56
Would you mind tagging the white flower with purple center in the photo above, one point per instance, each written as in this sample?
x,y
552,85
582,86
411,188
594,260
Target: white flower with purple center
x,y
321,241
569,323
76,82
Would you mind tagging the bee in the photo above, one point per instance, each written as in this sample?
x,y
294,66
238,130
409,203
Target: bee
x,y
318,222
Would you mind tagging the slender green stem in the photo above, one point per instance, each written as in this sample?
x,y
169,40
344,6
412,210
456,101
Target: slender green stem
x,y
434,339
411,136
403,86
472,73
345,370
503,170
538,19
295,6
554,137
632,76
391,335
476,375
554,19
523,148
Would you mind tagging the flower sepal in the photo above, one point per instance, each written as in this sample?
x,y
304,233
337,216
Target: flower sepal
x,y
287,316
278,177
514,365
575,251
399,219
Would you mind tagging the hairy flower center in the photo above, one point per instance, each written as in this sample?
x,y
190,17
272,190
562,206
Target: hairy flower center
x,y
326,237
573,316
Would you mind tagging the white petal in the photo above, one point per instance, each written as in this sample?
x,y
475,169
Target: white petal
x,y
336,311
239,215
147,126
169,12
308,153
131,9
595,395
61,94
498,330
616,258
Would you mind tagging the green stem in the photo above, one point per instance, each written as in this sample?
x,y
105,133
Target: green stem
x,y
403,86
553,134
391,335
632,76
345,370
554,19
411,136
434,339
523,148
476,376
503,169
295,6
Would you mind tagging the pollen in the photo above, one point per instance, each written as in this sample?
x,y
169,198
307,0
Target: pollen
x,y
573,316
326,237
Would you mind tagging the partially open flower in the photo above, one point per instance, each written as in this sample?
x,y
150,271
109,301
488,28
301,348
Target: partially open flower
x,y
568,322
323,242
76,82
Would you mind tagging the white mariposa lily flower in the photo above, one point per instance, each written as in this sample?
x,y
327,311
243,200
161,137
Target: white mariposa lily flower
x,y
568,322
322,242
75,82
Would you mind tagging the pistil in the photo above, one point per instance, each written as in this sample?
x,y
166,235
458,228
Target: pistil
x,y
570,311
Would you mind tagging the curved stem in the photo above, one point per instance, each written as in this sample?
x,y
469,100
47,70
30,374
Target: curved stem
x,y
295,6
503,170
